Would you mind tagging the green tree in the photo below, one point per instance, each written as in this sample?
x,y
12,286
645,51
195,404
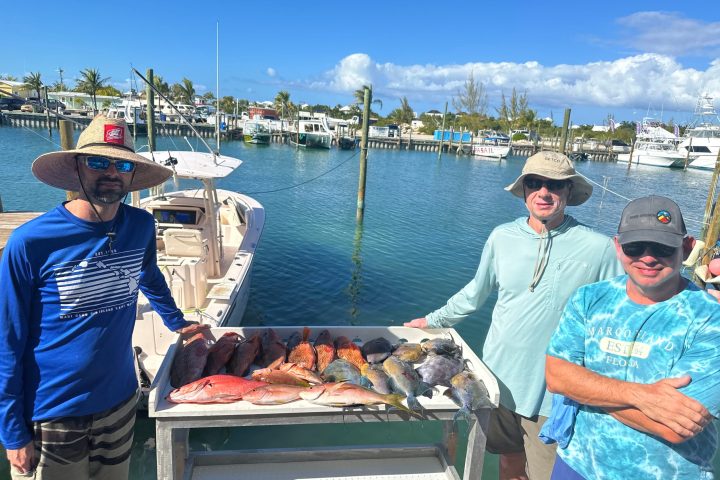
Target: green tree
x,y
33,82
513,113
360,96
59,86
187,91
161,85
403,114
8,77
472,98
90,82
109,91
283,105
227,104
209,97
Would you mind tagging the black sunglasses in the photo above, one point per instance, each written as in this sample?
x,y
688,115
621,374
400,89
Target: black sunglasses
x,y
658,250
100,163
551,185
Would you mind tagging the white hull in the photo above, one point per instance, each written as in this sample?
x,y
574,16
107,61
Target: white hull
x,y
704,162
491,151
655,160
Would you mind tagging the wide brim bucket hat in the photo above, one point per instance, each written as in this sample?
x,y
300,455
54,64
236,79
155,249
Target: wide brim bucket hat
x,y
554,166
104,136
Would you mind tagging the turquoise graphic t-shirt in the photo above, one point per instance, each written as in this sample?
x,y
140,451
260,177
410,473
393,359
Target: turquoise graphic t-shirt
x,y
606,332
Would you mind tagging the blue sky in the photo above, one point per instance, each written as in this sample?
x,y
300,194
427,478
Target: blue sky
x,y
625,59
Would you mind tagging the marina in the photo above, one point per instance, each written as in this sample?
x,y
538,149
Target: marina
x,y
425,223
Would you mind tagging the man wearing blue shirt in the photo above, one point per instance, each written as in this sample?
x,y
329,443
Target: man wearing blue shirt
x,y
640,353
70,281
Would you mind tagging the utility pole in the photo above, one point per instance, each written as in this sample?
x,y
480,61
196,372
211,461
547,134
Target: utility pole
x,y
363,156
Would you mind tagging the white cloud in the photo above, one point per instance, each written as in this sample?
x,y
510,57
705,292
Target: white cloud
x,y
630,82
670,33
271,72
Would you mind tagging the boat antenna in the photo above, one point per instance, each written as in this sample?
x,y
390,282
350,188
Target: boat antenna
x,y
217,83
172,105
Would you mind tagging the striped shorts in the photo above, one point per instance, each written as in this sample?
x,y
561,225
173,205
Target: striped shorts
x,y
94,446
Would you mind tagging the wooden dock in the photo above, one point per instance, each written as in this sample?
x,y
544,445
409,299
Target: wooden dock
x,y
9,221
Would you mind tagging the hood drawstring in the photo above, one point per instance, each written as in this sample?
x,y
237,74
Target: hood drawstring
x,y
542,257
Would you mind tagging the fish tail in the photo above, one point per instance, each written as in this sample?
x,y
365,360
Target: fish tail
x,y
413,403
395,399
462,414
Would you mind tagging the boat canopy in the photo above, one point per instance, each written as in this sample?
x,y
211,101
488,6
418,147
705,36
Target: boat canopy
x,y
198,165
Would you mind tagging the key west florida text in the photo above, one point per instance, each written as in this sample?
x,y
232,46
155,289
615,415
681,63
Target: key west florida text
x,y
158,286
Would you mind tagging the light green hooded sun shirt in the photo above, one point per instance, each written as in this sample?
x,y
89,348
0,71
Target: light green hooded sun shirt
x,y
525,317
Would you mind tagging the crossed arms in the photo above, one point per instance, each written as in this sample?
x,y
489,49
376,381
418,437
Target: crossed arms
x,y
656,408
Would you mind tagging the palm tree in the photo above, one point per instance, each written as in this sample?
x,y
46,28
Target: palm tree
x,y
187,91
90,82
282,103
405,113
360,96
33,82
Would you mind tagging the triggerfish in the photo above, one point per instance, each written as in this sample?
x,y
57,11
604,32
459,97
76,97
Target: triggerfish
x,y
214,389
469,393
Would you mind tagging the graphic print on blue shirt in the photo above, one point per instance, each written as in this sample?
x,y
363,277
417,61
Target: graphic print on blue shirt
x,y
105,282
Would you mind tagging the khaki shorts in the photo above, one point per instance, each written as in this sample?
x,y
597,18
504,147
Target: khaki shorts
x,y
510,432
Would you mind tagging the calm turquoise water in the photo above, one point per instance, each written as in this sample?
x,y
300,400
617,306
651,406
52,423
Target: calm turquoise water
x,y
425,224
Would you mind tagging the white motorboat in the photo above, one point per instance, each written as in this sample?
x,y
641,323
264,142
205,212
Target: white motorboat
x,y
702,140
492,145
206,240
311,134
132,110
656,147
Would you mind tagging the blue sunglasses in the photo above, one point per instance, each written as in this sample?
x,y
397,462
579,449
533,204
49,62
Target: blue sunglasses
x,y
96,162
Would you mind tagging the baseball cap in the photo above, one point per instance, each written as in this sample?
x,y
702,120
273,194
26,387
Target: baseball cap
x,y
652,219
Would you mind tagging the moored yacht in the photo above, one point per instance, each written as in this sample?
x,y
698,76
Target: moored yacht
x,y
702,140
311,134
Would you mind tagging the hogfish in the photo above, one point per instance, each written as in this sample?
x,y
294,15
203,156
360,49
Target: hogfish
x,y
273,350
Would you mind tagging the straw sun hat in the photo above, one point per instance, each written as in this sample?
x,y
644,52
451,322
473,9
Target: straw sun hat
x,y
554,166
106,137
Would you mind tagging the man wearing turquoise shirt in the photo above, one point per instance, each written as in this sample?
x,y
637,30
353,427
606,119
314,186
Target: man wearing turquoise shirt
x,y
534,263
640,353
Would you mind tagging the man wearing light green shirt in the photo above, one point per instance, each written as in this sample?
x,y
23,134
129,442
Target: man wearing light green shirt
x,y
535,263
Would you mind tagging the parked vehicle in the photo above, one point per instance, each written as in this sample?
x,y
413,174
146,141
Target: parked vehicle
x,y
11,103
31,107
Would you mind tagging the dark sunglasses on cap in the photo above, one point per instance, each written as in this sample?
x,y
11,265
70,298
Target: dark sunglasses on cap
x,y
551,185
658,250
99,163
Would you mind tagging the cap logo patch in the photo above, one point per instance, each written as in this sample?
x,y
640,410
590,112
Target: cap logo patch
x,y
114,134
663,216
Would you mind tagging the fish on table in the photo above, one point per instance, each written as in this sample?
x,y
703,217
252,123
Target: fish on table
x,y
409,352
214,389
244,355
378,378
348,395
439,369
441,346
300,350
301,372
276,376
221,352
404,378
376,350
190,361
348,350
273,350
276,394
325,350
343,371
469,393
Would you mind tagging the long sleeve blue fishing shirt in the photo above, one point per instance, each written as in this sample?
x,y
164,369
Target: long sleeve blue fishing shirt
x,y
68,302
